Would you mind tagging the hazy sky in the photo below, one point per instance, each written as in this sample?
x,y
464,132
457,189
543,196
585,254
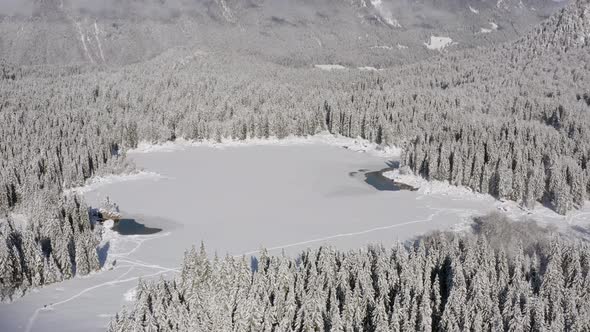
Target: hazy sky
x,y
16,7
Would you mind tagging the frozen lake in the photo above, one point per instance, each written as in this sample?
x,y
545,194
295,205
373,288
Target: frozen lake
x,y
236,200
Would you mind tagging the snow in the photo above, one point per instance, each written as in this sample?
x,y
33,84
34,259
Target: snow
x,y
109,223
129,295
368,68
512,209
438,43
187,59
473,10
83,40
227,13
383,47
385,13
101,181
434,187
393,22
319,41
237,197
19,220
493,25
96,33
284,195
354,144
390,48
330,67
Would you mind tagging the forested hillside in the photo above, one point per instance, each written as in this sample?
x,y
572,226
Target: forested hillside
x,y
442,282
512,121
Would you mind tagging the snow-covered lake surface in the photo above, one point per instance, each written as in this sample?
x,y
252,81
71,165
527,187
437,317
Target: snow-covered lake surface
x,y
237,199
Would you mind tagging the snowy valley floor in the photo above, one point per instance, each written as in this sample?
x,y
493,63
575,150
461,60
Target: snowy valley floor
x,y
237,198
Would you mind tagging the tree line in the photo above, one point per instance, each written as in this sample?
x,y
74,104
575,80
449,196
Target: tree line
x,y
504,277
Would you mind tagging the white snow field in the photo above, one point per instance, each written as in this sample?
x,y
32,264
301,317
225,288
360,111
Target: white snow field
x,y
237,198
438,43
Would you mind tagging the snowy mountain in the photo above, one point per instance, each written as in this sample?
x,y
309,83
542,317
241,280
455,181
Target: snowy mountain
x,y
289,32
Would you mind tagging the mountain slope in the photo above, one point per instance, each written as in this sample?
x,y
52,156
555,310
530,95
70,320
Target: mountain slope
x,y
569,28
375,33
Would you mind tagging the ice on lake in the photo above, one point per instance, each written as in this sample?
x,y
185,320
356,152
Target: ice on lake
x,y
236,200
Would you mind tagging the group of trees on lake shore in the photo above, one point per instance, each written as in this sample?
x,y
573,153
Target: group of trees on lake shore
x,y
43,249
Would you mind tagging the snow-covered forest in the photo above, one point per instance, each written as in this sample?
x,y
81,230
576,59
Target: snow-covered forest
x,y
504,277
512,120
54,245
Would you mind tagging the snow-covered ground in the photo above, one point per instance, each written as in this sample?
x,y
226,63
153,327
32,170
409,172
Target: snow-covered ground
x,y
383,47
493,27
540,213
330,67
97,182
438,43
358,145
238,197
368,68
390,48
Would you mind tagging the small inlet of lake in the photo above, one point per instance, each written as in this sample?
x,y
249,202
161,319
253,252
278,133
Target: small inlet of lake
x,y
132,227
377,180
